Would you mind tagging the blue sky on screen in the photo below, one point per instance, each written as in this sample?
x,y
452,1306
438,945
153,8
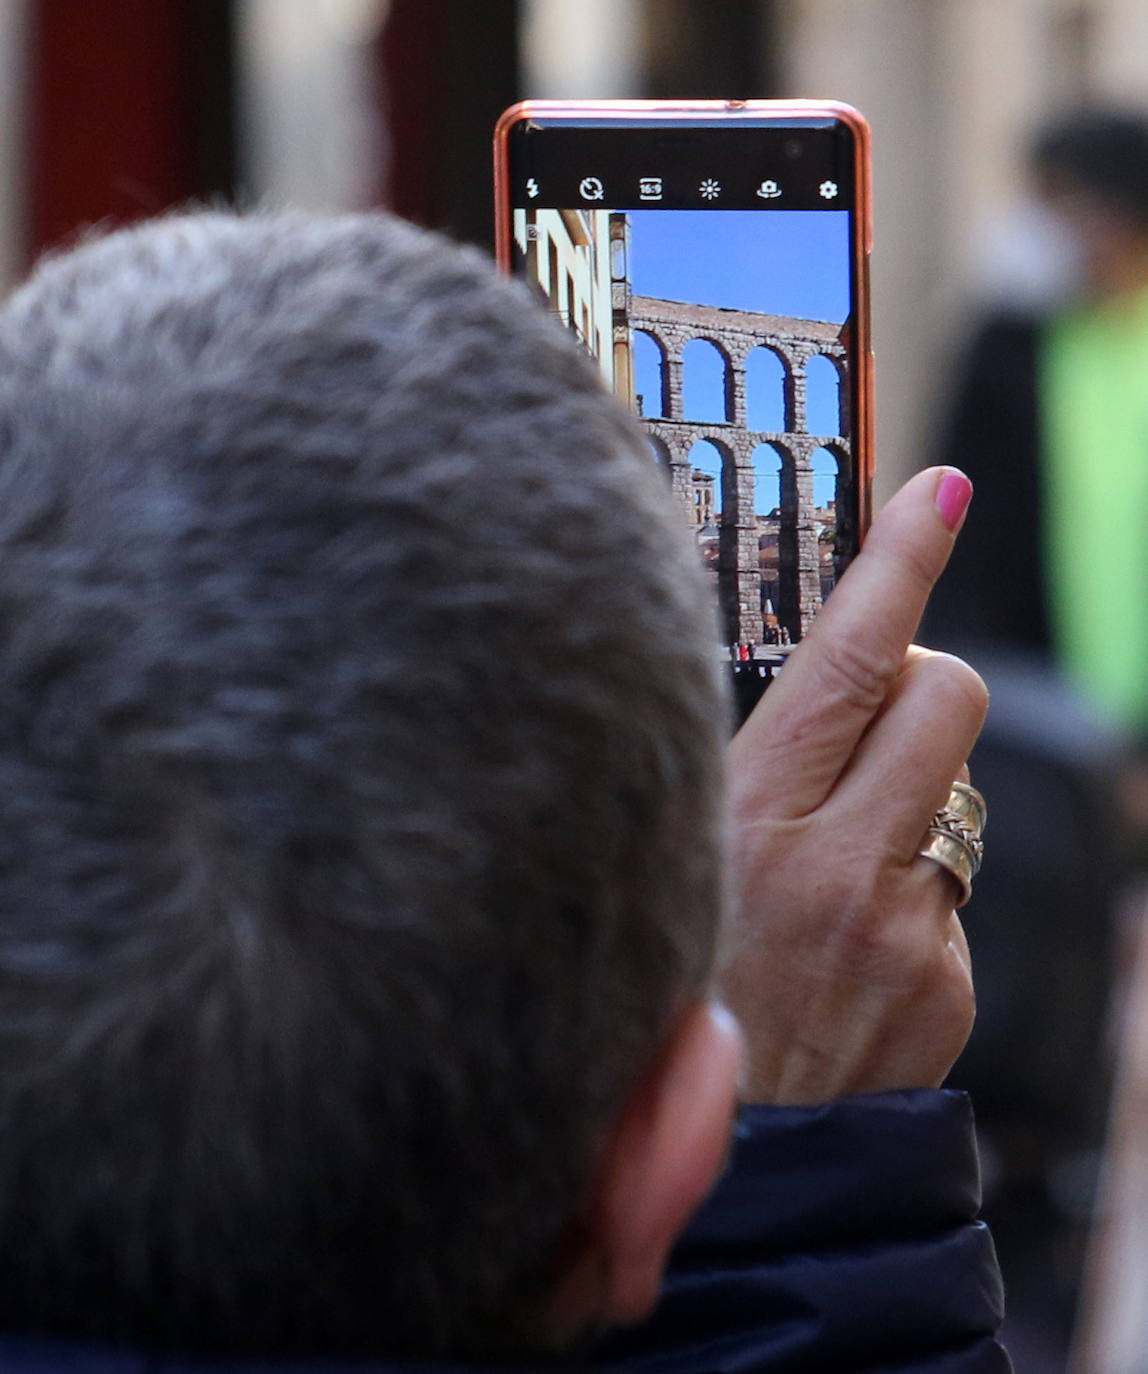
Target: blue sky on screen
x,y
785,262
781,262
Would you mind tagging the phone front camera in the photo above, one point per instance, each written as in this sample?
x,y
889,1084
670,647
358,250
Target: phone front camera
x,y
794,149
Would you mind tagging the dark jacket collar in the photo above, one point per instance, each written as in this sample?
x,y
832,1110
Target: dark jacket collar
x,y
32,1355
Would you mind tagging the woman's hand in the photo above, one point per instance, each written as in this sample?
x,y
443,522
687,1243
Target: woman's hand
x,y
849,970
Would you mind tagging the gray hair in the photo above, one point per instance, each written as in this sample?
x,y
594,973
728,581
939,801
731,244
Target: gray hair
x,y
360,778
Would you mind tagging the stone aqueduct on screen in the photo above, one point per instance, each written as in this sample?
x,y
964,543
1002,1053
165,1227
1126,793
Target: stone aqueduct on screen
x,y
735,334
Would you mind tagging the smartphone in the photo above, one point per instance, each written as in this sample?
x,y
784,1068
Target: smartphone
x,y
713,258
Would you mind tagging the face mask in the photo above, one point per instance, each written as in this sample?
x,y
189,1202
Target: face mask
x,y
1030,259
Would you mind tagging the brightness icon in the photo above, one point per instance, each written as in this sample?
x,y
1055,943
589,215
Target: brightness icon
x,y
710,189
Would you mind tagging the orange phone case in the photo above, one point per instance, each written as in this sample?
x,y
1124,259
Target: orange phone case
x,y
773,568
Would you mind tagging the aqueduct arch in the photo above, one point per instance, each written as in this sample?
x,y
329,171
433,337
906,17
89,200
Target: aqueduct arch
x,y
736,333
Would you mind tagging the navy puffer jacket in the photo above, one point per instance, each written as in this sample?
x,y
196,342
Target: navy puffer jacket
x,y
843,1238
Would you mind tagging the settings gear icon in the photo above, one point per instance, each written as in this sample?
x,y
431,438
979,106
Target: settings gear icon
x,y
828,190
709,189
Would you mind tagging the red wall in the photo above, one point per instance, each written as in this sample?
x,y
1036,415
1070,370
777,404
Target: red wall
x,y
121,94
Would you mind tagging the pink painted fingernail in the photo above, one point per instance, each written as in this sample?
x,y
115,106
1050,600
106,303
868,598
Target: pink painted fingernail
x,y
953,493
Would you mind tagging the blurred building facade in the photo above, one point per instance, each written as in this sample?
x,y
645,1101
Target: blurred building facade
x,y
120,107
951,88
112,110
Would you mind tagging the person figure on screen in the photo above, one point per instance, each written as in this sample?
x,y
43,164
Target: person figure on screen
x,y
361,1007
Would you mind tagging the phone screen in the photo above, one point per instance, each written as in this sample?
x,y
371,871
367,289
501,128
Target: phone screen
x,y
713,269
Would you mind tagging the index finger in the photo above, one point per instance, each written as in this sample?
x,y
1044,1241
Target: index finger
x,y
787,757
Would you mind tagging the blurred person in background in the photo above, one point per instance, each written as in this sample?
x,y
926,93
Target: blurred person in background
x,y
1050,415
1049,591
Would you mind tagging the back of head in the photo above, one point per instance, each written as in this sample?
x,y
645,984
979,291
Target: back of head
x,y
359,780
1102,152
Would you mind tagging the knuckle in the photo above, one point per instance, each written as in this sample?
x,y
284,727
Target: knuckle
x,y
857,676
961,687
969,683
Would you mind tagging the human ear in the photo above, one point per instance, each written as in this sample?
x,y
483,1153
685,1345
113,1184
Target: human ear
x,y
663,1158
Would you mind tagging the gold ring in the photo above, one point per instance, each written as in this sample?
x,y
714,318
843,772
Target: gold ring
x,y
969,805
954,838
